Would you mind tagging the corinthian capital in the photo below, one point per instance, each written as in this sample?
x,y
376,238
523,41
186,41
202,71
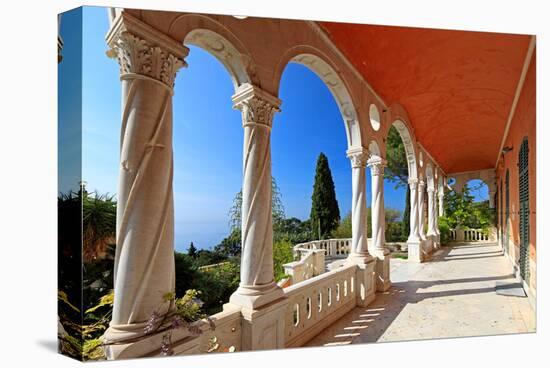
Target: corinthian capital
x,y
377,164
358,157
143,51
257,106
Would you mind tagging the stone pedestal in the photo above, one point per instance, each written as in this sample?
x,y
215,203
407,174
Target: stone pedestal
x,y
264,328
366,283
415,251
382,269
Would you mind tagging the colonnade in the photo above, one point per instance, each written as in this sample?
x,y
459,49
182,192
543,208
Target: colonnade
x,y
144,262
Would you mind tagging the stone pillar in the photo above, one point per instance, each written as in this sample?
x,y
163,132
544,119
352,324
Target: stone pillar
x,y
258,292
421,209
441,195
359,251
414,242
431,212
378,250
144,261
359,254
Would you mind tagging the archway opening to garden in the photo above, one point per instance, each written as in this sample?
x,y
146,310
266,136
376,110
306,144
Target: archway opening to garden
x,y
310,137
401,165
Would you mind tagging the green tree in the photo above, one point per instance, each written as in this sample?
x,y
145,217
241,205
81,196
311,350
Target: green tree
x,y
98,224
186,273
192,251
462,211
230,246
397,171
277,208
343,231
282,253
294,230
325,213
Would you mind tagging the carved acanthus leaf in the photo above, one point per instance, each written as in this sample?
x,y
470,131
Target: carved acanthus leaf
x,y
137,56
257,110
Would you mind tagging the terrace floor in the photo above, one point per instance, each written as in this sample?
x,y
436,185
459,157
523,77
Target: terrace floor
x,y
452,295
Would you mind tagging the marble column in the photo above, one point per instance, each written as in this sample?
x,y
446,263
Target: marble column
x,y
378,220
441,195
257,286
431,212
144,260
421,209
359,242
414,241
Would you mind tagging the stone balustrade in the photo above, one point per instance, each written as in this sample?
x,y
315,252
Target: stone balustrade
x,y
315,304
227,332
311,264
332,247
473,235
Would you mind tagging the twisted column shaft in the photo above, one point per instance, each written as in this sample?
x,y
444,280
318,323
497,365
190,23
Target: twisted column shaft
x,y
257,285
377,205
144,258
421,209
414,235
359,242
431,212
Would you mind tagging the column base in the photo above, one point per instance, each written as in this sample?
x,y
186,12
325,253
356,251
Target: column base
x,y
359,258
263,328
415,251
256,296
366,283
382,269
119,345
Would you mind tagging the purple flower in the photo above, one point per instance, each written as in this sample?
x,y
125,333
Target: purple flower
x,y
178,322
166,347
152,322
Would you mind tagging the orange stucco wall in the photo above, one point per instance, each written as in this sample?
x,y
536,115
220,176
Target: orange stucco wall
x,y
523,125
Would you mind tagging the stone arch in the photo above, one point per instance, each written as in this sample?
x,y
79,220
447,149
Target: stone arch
x,y
223,50
315,61
410,147
216,38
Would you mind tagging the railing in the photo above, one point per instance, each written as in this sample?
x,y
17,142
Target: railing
x,y
315,304
475,235
222,333
210,267
311,264
471,235
332,247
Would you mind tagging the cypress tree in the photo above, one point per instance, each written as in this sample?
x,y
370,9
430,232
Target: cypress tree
x,y
192,251
325,214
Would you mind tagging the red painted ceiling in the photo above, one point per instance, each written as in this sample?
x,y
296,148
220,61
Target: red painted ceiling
x,y
457,86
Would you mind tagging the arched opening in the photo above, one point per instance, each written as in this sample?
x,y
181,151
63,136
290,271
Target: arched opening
x,y
401,165
206,237
339,92
309,149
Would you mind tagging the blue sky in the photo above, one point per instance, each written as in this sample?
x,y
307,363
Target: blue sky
x,y
208,134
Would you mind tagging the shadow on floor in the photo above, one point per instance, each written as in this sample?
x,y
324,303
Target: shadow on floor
x,y
368,324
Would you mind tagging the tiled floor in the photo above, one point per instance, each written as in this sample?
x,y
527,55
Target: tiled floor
x,y
452,295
